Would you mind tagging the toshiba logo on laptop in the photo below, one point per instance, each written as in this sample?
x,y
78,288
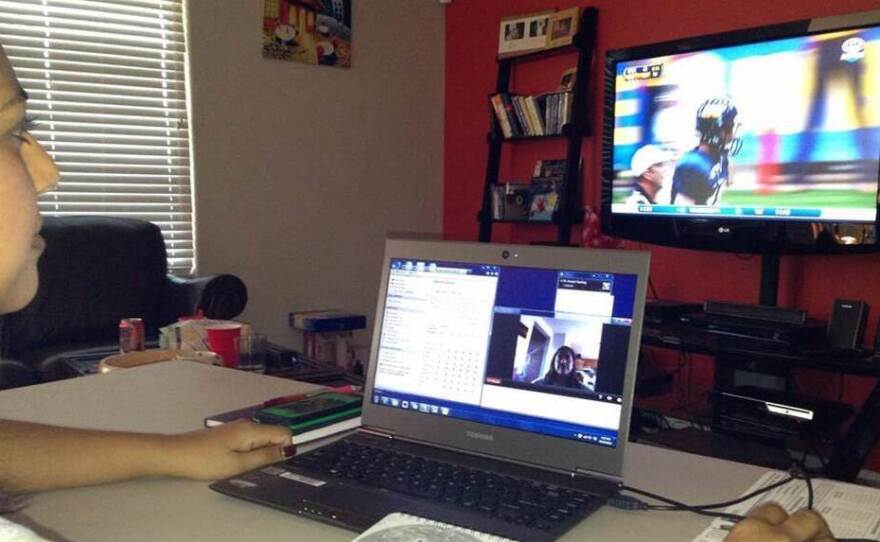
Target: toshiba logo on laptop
x,y
481,436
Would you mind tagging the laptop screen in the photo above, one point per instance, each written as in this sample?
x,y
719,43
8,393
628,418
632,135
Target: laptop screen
x,y
536,350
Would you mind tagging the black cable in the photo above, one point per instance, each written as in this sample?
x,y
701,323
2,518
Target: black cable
x,y
678,506
801,472
809,492
711,506
630,503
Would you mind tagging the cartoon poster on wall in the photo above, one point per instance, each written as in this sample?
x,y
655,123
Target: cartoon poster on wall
x,y
310,31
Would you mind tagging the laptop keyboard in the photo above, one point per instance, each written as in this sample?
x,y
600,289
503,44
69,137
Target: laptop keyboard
x,y
514,500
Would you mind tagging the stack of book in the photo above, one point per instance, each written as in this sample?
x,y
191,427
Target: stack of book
x,y
537,115
309,416
327,334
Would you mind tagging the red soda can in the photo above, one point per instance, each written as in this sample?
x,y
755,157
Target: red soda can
x,y
131,335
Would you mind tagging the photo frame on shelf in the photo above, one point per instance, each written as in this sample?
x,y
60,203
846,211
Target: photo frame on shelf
x,y
566,81
519,34
562,26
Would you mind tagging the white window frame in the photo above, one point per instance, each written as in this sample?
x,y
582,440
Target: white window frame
x,y
107,86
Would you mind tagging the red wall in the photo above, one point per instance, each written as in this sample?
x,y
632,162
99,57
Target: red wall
x,y
808,282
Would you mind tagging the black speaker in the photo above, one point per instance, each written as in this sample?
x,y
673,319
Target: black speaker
x,y
847,324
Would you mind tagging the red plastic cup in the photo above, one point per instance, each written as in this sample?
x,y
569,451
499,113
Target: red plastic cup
x,y
223,340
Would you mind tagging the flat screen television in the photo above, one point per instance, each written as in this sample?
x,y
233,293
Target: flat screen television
x,y
765,140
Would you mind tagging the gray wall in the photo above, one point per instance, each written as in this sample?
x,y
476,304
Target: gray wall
x,y
301,170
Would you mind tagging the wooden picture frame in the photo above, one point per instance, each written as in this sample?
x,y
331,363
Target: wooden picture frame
x,y
562,27
520,34
566,81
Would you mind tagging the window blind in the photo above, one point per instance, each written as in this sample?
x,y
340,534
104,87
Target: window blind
x,y
107,87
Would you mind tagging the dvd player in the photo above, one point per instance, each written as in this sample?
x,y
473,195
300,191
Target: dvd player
x,y
665,311
810,334
765,413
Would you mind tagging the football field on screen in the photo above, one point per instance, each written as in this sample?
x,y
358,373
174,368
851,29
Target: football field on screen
x,y
852,199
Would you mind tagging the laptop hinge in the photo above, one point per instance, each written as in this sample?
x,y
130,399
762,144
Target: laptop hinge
x,y
376,432
596,474
617,480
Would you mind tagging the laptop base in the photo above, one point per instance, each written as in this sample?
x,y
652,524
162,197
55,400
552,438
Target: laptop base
x,y
356,506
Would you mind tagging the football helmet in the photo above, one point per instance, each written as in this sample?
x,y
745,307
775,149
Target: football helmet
x,y
715,117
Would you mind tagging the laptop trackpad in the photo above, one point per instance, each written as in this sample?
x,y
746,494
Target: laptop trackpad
x,y
356,506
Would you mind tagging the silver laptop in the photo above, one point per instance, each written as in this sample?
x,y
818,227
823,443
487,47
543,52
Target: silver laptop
x,y
498,396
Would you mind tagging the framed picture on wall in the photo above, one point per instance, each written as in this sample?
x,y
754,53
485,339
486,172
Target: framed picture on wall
x,y
520,34
309,31
563,25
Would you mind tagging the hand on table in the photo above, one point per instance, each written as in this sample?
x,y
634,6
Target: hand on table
x,y
229,449
771,523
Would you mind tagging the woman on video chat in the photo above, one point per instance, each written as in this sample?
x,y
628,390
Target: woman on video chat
x,y
561,371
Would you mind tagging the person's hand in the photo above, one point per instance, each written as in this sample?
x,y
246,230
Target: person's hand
x,y
771,523
227,450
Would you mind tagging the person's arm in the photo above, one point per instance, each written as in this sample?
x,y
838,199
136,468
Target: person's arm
x,y
36,457
771,523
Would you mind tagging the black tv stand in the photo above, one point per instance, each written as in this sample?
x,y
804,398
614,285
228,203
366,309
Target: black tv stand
x,y
769,289
733,358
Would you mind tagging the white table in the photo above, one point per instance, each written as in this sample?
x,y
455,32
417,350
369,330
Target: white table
x,y
177,396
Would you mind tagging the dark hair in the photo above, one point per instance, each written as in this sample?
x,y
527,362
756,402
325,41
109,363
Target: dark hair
x,y
567,350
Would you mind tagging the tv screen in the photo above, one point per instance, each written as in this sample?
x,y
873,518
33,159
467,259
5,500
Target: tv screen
x,y
778,130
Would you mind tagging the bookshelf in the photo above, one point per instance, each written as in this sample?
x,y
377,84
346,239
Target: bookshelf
x,y
569,209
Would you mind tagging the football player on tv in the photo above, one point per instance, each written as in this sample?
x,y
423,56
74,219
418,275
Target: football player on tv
x,y
651,166
702,173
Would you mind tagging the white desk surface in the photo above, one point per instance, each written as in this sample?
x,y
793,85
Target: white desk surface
x,y
177,396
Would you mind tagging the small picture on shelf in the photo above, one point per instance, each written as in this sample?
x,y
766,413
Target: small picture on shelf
x,y
514,31
563,26
538,28
545,200
548,180
566,82
549,169
523,33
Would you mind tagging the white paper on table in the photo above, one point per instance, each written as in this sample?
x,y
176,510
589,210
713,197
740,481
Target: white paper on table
x,y
851,511
399,527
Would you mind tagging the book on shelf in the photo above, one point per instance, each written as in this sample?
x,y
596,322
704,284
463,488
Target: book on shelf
x,y
544,200
327,321
515,127
532,115
314,416
548,183
510,201
501,115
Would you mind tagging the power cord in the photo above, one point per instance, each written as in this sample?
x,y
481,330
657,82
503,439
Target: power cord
x,y
631,503
797,472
